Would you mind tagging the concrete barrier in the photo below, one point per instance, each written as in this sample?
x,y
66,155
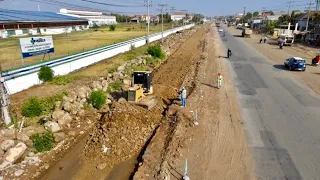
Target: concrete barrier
x,y
25,77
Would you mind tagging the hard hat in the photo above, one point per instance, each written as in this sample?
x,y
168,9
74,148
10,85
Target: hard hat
x,y
219,73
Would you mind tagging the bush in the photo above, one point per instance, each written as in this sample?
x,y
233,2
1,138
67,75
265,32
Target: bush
x,y
97,99
114,86
43,142
112,27
156,52
61,80
49,103
45,74
32,107
112,69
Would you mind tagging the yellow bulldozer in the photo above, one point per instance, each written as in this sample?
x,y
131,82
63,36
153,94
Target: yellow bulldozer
x,y
141,90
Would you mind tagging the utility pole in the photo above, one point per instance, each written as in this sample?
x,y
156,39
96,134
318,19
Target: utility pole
x,y
185,11
308,15
161,9
4,100
244,14
172,10
289,6
148,19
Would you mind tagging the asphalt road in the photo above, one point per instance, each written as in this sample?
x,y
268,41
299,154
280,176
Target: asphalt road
x,y
281,115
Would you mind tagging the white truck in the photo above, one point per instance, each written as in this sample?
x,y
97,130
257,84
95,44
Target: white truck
x,y
286,39
246,32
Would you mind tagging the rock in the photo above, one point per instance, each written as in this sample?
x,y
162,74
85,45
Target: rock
x,y
66,119
101,166
122,100
121,76
125,88
15,153
81,113
52,126
116,76
108,101
19,172
73,96
44,119
109,75
66,99
83,101
9,133
57,105
57,114
82,92
31,154
120,68
40,130
126,82
75,107
7,144
104,83
96,85
67,106
32,160
23,137
58,137
173,109
72,133
1,154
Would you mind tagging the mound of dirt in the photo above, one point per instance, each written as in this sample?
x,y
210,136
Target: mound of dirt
x,y
121,132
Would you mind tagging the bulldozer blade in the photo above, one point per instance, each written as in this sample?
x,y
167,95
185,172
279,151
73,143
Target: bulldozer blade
x,y
148,102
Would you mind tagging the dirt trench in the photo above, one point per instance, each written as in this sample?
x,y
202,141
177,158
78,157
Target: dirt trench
x,y
126,129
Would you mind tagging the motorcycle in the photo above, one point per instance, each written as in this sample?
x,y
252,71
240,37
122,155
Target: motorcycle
x,y
314,62
260,40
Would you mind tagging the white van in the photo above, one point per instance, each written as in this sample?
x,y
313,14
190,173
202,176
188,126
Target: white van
x,y
286,39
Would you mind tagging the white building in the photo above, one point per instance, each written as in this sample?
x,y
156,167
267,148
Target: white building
x,y
95,18
177,16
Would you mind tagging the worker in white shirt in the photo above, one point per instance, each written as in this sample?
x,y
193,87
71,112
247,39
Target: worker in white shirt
x,y
184,97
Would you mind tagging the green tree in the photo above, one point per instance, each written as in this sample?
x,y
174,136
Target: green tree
x,y
255,14
197,18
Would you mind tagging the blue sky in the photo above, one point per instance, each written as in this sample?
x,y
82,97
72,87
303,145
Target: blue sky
x,y
206,7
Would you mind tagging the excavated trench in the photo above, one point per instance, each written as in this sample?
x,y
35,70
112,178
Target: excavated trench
x,y
127,130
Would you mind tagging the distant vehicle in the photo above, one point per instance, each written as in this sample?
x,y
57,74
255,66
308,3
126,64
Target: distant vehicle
x,y
246,32
220,30
295,63
218,24
286,39
239,26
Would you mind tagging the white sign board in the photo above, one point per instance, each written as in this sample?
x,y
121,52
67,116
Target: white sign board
x,y
34,46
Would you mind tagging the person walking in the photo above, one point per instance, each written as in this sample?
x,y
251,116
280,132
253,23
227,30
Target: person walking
x,y
229,53
184,97
219,80
265,39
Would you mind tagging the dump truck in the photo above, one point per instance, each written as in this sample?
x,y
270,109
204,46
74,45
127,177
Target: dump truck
x,y
246,32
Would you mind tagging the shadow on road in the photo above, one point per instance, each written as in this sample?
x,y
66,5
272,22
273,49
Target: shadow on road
x,y
317,73
279,66
223,57
209,85
237,35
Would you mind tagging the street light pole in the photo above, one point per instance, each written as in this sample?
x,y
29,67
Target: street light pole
x,y
162,6
308,16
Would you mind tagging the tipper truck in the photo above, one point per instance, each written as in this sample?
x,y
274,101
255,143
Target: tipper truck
x,y
246,32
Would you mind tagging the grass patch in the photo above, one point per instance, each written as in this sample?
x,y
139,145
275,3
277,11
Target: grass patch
x,y
43,142
114,86
34,106
62,80
156,52
139,68
112,69
45,74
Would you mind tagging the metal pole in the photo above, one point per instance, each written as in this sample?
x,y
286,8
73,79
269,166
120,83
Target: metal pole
x,y
22,60
4,101
162,6
308,16
148,20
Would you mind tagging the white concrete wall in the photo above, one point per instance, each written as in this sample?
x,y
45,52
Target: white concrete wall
x,y
19,32
60,30
17,84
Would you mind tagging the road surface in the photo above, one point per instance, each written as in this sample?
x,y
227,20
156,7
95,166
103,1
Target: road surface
x,y
281,115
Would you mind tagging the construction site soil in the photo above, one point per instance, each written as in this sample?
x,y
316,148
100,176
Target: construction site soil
x,y
114,146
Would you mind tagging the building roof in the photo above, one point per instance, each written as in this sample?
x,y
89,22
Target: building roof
x,y
14,15
179,14
304,16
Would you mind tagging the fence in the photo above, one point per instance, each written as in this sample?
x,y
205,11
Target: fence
x,y
23,78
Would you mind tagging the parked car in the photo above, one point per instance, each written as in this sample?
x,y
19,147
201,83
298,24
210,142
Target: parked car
x,y
220,30
295,63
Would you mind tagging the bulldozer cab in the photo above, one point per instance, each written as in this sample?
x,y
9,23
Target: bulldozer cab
x,y
140,91
144,80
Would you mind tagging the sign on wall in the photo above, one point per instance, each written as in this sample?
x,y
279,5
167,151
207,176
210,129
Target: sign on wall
x,y
34,46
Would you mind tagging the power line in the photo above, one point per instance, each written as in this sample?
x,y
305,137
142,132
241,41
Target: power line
x,y
114,5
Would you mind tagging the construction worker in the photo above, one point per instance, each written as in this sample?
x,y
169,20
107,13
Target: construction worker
x,y
186,177
229,53
219,80
184,97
